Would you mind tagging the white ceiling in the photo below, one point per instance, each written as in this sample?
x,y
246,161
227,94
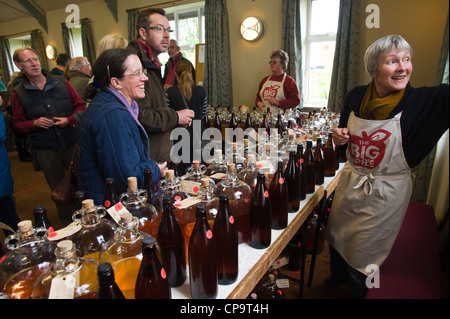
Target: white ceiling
x,y
11,9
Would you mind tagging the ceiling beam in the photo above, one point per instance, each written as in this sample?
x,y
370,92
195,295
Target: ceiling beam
x,y
112,6
36,12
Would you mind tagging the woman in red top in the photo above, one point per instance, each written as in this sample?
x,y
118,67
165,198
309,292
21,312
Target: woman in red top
x,y
278,90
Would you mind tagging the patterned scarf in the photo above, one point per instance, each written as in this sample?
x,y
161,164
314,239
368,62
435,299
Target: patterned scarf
x,y
375,108
147,50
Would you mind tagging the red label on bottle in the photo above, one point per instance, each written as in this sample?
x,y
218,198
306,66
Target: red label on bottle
x,y
209,234
281,180
118,206
231,220
177,198
302,160
195,189
163,273
52,233
177,205
107,203
266,194
260,166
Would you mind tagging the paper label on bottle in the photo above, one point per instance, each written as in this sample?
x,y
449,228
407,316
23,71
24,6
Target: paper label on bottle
x,y
117,210
62,287
282,283
280,263
219,176
188,202
189,187
65,232
264,165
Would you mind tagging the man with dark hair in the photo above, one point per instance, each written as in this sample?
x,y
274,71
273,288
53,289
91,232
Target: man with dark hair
x,y
61,61
154,114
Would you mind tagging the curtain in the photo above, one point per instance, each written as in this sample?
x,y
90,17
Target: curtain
x,y
66,39
132,22
217,70
5,60
291,40
345,65
37,43
87,40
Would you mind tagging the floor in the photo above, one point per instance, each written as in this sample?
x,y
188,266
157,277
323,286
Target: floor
x,y
31,189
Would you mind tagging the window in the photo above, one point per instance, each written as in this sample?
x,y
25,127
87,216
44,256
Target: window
x,y
18,42
188,21
320,45
76,44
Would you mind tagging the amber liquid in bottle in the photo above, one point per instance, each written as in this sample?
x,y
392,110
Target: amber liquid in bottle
x,y
171,244
329,157
107,287
152,282
227,241
260,216
202,258
293,181
301,164
279,199
320,163
310,164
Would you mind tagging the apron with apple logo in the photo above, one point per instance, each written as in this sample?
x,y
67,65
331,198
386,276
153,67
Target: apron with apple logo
x,y
373,193
272,89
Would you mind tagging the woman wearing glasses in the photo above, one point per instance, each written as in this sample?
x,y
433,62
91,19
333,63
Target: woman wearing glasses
x,y
112,141
278,90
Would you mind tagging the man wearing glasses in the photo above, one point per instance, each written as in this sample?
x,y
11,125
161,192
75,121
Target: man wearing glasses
x,y
154,114
44,107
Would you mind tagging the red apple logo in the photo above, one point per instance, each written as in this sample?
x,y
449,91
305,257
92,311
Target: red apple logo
x,y
270,91
368,151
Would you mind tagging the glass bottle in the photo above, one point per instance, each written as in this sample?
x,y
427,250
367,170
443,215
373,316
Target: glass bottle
x,y
70,277
171,185
171,244
227,240
329,157
154,194
260,216
310,164
195,173
301,164
111,197
124,253
41,219
29,254
202,258
235,155
279,125
107,286
79,198
151,282
320,164
279,199
239,195
217,169
265,123
95,230
293,180
249,174
135,201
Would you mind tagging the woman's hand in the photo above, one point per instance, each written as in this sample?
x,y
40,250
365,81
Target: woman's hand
x,y
162,169
274,101
340,136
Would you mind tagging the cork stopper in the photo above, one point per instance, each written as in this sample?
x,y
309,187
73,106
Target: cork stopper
x,y
126,217
132,183
234,145
231,167
205,181
196,164
170,174
251,158
87,203
25,226
65,245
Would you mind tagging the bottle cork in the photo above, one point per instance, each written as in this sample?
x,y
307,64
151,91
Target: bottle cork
x,y
231,167
24,226
126,217
170,174
205,181
87,203
65,245
132,183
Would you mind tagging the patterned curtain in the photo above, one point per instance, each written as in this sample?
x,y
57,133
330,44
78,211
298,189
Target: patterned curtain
x,y
132,21
291,40
37,43
217,70
345,65
87,40
66,39
5,60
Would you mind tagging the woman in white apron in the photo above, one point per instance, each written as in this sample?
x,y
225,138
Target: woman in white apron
x,y
384,125
278,90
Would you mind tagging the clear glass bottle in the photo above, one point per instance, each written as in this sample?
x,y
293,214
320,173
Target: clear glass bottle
x,y
202,258
239,195
124,253
249,174
217,167
29,254
95,230
171,185
135,201
151,282
107,286
70,277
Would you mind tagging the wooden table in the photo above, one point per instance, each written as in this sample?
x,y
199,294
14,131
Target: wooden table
x,y
254,263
